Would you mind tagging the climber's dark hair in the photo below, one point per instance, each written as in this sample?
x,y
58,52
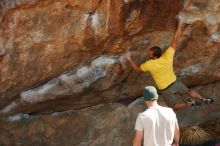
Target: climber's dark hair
x,y
157,51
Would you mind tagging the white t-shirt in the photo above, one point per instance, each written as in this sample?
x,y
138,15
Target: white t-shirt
x,y
158,124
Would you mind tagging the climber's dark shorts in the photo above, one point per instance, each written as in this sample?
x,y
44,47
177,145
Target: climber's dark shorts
x,y
175,88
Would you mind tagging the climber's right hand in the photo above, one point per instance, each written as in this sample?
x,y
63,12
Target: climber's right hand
x,y
127,56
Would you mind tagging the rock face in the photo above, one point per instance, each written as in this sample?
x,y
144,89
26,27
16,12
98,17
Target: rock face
x,y
64,58
60,55
41,40
79,128
101,125
208,13
108,124
201,41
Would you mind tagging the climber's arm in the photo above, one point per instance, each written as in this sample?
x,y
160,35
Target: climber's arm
x,y
179,28
133,65
177,35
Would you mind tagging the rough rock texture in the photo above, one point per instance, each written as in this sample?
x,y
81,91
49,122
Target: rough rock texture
x,y
50,49
101,125
208,13
60,55
41,39
108,124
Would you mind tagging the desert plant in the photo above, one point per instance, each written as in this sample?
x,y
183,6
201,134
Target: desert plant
x,y
194,136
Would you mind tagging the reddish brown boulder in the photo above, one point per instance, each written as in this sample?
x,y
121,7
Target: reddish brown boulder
x,y
41,39
49,49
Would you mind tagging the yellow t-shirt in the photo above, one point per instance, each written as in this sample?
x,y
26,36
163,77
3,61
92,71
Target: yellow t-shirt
x,y
161,69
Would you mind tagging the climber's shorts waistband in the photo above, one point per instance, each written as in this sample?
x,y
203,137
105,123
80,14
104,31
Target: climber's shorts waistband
x,y
169,85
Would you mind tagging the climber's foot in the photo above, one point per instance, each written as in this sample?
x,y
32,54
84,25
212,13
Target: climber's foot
x,y
208,100
193,103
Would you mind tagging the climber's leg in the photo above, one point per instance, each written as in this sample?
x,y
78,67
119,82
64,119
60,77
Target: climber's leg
x,y
181,105
181,102
195,95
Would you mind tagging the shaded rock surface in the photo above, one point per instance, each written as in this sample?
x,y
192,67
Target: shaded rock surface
x,y
108,124
101,125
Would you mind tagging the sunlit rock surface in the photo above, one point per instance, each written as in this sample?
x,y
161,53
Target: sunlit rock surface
x,y
207,12
43,39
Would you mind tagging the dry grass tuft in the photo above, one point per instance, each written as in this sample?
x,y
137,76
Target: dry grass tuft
x,y
194,135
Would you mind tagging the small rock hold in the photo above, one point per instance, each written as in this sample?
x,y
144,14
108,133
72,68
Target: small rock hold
x,y
215,37
2,52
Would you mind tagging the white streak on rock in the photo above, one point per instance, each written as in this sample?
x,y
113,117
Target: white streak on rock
x,y
193,69
215,37
95,20
212,18
190,18
102,61
9,107
85,17
50,85
82,72
18,117
70,83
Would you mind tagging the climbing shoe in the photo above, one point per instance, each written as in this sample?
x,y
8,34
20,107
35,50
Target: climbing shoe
x,y
193,102
208,100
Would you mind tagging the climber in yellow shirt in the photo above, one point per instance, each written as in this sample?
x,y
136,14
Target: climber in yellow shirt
x,y
160,66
